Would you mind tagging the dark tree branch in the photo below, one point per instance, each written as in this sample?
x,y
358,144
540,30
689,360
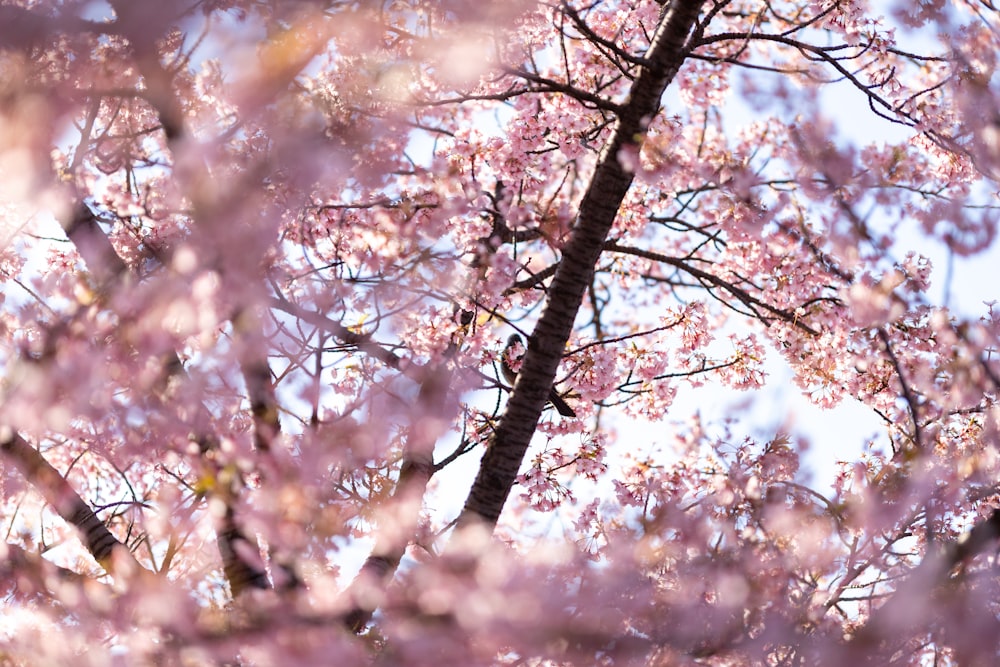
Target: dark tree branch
x,y
363,342
499,467
708,279
404,507
95,248
911,606
545,85
67,503
110,272
911,398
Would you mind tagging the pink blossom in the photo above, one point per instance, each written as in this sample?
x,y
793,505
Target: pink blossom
x,y
258,260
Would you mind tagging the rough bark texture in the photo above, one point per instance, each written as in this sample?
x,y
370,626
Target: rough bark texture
x,y
63,498
611,181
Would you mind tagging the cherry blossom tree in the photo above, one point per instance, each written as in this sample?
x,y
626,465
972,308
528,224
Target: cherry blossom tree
x,y
259,259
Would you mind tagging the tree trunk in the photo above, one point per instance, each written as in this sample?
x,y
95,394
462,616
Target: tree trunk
x,y
499,467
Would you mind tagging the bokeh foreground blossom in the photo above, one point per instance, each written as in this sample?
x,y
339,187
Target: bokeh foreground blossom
x,y
258,259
